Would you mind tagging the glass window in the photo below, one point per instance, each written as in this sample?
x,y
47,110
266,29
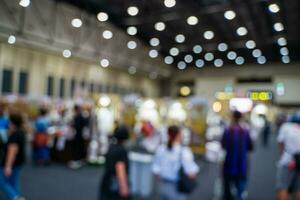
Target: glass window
x,y
62,88
7,81
50,86
72,88
23,83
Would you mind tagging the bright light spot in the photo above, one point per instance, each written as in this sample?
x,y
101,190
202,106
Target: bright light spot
x,y
104,63
192,20
132,30
181,65
218,62
241,31
185,91
153,53
154,42
280,89
261,60
102,16
285,59
281,41
250,44
132,10
77,23
239,60
209,56
107,34
256,53
67,53
217,107
278,27
180,38
132,70
231,55
131,45
200,63
11,39
24,3
160,26
274,8
197,49
284,51
208,35
104,101
170,3
153,75
188,58
242,105
169,60
174,51
230,14
222,47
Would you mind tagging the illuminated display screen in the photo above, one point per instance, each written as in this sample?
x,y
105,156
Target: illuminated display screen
x,y
260,95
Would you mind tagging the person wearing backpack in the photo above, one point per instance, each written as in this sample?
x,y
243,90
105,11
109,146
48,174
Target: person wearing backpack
x,y
175,167
288,171
237,143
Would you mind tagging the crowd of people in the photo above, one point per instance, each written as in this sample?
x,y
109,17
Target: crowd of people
x,y
173,165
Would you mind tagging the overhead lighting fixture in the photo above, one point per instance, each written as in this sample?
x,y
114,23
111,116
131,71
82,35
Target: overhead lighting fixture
x,y
132,10
153,53
250,44
132,30
131,45
11,39
285,59
188,58
230,14
132,70
174,51
181,65
169,60
102,16
24,3
256,53
222,47
180,38
197,49
77,23
153,75
278,27
209,35
209,56
261,60
200,63
67,53
160,26
274,8
154,42
170,3
192,20
239,60
104,63
107,34
242,31
284,51
218,62
231,55
281,41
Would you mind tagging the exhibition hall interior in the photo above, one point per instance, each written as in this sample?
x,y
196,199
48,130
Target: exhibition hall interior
x,y
149,99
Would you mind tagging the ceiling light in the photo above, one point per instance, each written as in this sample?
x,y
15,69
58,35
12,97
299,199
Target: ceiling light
x,y
153,75
239,60
250,44
208,35
274,8
131,45
67,53
107,34
169,60
181,65
197,49
180,38
209,56
261,60
241,31
170,3
281,41
218,62
153,53
192,20
230,14
77,23
132,70
188,58
104,63
256,53
174,51
154,42
231,55
132,30
160,26
132,10
222,47
102,16
278,27
199,63
284,51
285,59
11,39
24,3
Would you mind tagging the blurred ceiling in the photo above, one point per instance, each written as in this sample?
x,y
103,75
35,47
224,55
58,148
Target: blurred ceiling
x,y
258,31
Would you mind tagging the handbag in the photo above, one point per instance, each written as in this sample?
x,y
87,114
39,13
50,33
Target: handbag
x,y
185,184
296,160
40,140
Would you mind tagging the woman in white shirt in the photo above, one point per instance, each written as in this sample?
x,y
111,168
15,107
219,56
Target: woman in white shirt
x,y
167,162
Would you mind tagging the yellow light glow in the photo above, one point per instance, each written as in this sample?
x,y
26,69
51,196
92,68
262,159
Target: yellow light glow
x,y
224,95
185,91
217,107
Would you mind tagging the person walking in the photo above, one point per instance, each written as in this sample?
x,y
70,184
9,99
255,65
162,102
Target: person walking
x,y
288,172
167,163
13,159
266,131
115,182
4,125
237,143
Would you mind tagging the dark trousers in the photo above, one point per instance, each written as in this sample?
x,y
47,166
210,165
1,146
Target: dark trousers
x,y
238,183
78,151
